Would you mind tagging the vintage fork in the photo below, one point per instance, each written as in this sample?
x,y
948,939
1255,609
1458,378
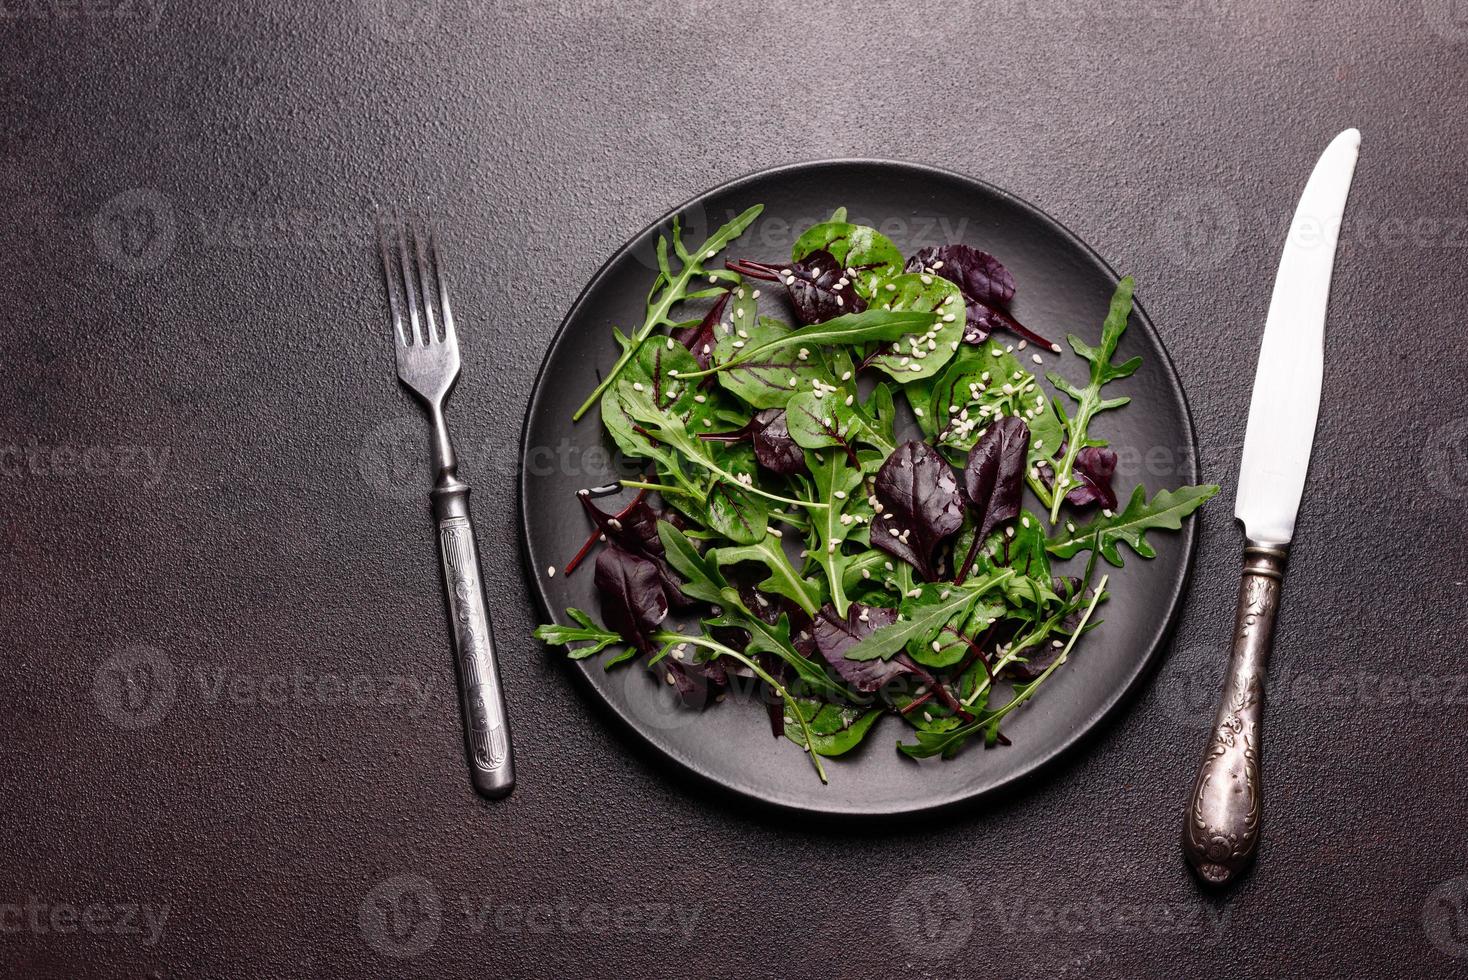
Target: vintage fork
x,y
428,365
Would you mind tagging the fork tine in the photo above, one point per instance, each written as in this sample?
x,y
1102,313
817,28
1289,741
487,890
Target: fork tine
x,y
407,271
443,288
425,287
387,279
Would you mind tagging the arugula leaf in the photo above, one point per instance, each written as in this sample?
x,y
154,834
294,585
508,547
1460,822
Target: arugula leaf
x,y
670,288
1088,399
1166,511
701,576
704,580
640,405
852,328
588,631
922,625
836,483
783,580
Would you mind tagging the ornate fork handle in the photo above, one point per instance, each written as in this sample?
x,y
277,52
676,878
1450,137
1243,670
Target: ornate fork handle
x,y
486,724
1221,829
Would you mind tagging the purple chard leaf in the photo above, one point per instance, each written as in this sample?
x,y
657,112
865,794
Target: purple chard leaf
x,y
835,634
993,481
918,505
818,285
773,447
635,530
700,338
987,288
632,599
1092,471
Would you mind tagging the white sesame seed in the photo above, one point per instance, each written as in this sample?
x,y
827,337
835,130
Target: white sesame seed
x,y
1055,348
916,367
755,294
996,352
784,272
738,344
850,399
551,572
949,317
840,301
839,494
891,288
672,372
1025,521
1037,359
1056,644
893,531
918,412
777,532
794,381
637,386
927,279
614,524
1009,348
866,573
888,565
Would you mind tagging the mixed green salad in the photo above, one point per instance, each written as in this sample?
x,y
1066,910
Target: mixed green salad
x,y
837,453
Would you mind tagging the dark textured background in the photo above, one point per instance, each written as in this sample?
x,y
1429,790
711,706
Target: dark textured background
x,y
186,281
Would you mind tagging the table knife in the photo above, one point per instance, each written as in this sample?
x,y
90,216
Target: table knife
x,y
1221,827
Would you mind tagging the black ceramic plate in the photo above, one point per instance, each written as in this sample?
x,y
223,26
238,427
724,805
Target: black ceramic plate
x,y
1063,287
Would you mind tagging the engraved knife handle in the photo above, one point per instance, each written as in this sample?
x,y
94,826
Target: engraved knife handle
x,y
481,695
1221,829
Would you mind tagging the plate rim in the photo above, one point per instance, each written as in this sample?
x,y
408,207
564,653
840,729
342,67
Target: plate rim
x,y
1025,775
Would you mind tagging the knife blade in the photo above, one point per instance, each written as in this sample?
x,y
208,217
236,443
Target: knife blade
x,y
1286,396
1221,827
